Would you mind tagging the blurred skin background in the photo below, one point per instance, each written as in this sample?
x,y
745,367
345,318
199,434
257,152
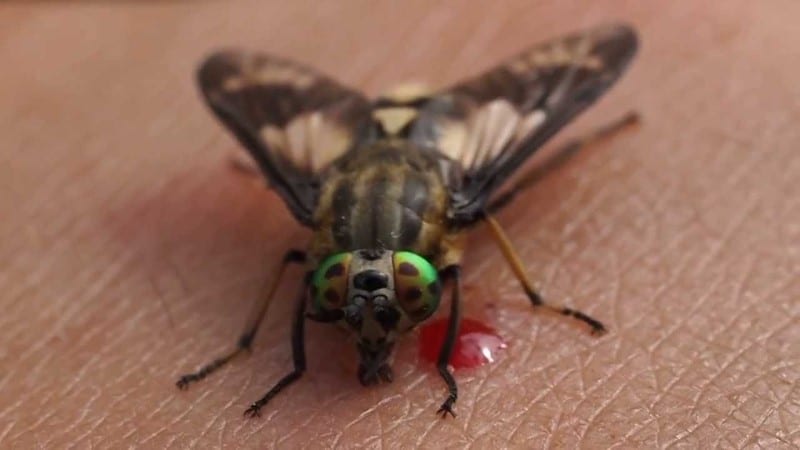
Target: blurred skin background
x,y
130,252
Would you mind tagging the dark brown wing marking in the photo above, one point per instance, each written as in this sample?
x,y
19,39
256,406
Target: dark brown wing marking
x,y
293,120
492,123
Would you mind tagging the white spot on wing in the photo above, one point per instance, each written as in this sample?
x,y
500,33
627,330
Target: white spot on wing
x,y
269,72
501,122
490,129
297,133
562,53
274,137
309,141
529,123
452,138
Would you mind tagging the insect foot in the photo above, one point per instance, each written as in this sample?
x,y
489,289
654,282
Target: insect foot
x,y
598,329
253,411
447,407
185,380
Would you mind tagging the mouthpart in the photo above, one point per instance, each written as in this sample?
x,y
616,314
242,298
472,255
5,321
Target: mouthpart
x,y
374,366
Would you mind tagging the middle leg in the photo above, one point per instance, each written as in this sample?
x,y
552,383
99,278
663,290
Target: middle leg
x,y
298,356
518,268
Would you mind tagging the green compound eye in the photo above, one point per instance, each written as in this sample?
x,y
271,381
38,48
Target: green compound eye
x,y
417,285
329,282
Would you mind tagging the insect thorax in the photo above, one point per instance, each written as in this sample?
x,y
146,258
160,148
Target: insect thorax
x,y
387,194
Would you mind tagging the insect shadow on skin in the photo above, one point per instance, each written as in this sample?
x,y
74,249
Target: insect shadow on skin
x,y
389,187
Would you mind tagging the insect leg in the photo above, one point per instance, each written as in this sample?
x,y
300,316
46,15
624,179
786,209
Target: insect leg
x,y
298,355
519,270
446,352
560,157
254,321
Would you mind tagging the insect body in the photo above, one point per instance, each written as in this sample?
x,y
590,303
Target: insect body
x,y
390,186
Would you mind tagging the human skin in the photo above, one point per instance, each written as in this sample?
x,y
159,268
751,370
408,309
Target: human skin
x,y
131,253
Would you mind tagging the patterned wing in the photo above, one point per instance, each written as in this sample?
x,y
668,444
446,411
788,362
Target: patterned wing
x,y
492,123
293,120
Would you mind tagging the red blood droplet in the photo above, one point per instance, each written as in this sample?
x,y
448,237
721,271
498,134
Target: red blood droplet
x,y
476,343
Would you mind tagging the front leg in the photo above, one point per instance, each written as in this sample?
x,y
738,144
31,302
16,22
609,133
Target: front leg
x,y
298,355
254,321
446,352
597,327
